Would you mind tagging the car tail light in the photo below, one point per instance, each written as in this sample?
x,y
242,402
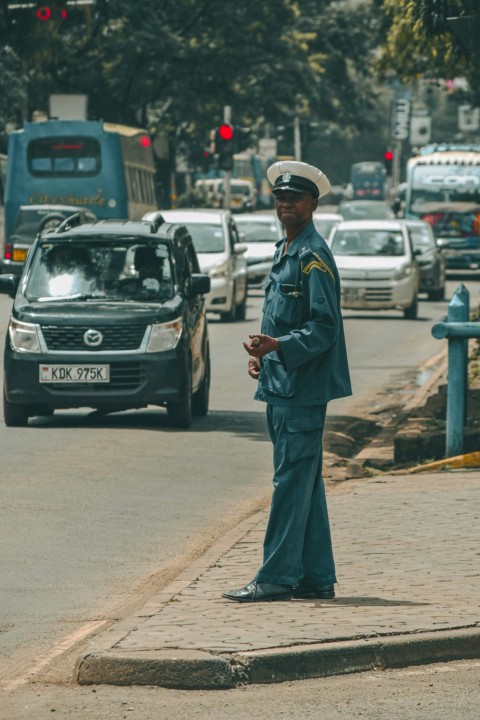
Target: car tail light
x,y
8,251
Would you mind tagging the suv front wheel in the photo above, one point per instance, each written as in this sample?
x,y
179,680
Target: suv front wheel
x,y
180,411
14,415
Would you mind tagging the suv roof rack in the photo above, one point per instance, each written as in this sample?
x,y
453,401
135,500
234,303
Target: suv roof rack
x,y
155,218
69,223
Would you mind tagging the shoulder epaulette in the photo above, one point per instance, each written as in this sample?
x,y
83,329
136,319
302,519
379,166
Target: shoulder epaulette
x,y
317,263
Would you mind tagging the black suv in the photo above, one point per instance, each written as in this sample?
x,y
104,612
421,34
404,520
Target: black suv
x,y
108,315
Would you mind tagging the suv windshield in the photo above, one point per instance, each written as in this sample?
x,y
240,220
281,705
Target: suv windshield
x,y
207,237
125,268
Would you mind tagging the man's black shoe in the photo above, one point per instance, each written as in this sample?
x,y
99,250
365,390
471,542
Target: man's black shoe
x,y
322,592
259,592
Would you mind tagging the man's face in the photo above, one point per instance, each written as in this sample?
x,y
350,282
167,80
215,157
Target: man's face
x,y
294,209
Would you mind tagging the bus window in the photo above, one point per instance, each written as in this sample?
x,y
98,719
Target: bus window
x,y
68,157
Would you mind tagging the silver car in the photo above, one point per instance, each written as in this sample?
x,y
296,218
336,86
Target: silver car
x,y
377,265
260,232
221,256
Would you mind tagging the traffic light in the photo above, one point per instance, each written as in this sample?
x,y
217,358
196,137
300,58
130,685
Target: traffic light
x,y
388,158
224,146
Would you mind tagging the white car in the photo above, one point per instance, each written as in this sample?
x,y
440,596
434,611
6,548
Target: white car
x,y
377,265
221,256
324,222
260,232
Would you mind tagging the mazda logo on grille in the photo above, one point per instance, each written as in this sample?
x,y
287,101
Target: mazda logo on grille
x,y
93,338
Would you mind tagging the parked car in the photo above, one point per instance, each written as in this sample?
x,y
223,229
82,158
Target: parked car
x,y
31,220
260,232
108,315
324,222
221,256
242,193
431,260
365,210
377,266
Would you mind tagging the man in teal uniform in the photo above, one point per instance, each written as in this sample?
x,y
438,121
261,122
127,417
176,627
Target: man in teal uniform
x,y
300,362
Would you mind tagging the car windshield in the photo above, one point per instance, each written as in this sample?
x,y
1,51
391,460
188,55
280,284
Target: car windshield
x,y
421,238
324,226
255,231
368,243
365,210
207,237
127,268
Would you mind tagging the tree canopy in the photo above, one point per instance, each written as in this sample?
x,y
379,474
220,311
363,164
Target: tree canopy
x,y
184,60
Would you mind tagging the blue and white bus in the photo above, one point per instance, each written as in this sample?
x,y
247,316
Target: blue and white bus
x,y
108,169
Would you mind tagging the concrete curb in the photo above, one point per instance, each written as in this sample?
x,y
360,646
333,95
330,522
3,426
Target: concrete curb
x,y
201,670
458,462
380,450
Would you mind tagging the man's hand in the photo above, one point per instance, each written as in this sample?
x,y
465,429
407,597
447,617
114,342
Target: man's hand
x,y
254,367
261,345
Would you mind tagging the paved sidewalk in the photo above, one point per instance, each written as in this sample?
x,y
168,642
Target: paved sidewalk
x,y
408,562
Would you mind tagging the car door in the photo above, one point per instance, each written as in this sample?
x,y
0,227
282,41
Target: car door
x,y
196,318
415,267
238,262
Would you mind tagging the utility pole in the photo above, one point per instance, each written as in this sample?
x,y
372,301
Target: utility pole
x,y
297,142
227,119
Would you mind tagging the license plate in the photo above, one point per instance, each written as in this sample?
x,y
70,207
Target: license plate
x,y
74,373
19,254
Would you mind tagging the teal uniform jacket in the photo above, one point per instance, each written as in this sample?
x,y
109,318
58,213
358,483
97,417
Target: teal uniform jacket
x,y
302,310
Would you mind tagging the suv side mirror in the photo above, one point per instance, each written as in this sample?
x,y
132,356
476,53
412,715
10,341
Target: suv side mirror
x,y
8,285
199,284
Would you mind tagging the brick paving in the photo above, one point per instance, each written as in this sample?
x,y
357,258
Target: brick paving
x,y
407,550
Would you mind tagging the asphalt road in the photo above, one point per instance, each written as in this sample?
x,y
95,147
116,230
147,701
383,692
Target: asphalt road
x,y
95,514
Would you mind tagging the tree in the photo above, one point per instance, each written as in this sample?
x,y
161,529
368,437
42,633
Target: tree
x,y
418,42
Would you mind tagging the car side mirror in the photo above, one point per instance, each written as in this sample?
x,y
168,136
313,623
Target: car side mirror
x,y
199,285
8,285
239,248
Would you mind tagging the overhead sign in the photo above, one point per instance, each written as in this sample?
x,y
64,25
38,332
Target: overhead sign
x,y
468,118
401,119
420,129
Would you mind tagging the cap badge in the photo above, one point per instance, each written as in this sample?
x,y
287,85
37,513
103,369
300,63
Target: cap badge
x,y
286,177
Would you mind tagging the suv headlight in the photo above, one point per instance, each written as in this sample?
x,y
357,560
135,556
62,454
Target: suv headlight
x,y
402,272
220,270
165,336
24,336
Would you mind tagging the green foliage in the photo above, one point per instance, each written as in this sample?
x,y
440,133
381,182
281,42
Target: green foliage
x,y
184,60
419,43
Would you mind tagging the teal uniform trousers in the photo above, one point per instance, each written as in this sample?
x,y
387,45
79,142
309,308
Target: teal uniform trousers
x,y
302,310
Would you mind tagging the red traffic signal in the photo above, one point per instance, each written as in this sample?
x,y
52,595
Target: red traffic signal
x,y
388,157
224,146
225,132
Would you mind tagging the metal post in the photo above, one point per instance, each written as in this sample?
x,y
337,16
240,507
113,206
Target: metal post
x,y
297,142
227,195
456,388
